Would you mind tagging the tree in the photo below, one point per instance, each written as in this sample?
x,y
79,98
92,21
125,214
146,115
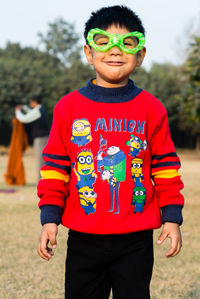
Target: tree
x,y
25,72
165,84
61,39
190,101
141,78
78,73
164,81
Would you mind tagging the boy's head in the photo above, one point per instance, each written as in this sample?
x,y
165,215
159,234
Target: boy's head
x,y
117,15
117,50
34,101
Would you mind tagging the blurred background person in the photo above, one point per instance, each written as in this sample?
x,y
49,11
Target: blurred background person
x,y
15,173
35,115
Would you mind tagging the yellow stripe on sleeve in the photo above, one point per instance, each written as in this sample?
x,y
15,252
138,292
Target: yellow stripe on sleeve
x,y
53,174
166,174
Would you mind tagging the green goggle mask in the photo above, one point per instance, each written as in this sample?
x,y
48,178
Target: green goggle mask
x,y
102,41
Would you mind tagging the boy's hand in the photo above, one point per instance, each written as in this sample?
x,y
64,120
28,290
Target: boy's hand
x,y
18,107
48,234
172,231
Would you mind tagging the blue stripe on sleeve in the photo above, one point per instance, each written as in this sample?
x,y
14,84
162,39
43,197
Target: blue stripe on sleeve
x,y
159,157
56,157
163,164
55,165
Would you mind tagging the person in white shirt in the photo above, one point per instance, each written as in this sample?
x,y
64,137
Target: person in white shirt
x,y
36,116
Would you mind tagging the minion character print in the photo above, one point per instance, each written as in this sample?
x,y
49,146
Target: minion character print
x,y
136,172
136,145
139,192
85,171
139,199
87,199
86,177
81,132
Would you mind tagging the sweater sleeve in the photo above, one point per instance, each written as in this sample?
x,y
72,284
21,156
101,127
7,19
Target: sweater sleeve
x,y
53,187
165,164
29,117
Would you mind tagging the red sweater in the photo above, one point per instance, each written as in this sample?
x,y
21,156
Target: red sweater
x,y
110,163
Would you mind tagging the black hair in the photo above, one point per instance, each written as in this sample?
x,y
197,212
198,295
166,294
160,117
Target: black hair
x,y
35,99
118,15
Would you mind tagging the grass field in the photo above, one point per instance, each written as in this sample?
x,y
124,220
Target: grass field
x,y
24,275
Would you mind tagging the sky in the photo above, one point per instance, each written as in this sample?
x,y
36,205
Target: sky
x,y
168,23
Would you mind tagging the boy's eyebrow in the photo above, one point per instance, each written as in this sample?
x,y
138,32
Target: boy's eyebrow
x,y
99,35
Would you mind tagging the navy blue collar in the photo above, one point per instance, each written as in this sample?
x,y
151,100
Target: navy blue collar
x,y
110,95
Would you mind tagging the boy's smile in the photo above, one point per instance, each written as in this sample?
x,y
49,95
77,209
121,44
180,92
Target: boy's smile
x,y
114,66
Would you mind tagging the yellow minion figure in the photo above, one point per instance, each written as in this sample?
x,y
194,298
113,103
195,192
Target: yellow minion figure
x,y
87,199
81,132
136,145
85,169
136,171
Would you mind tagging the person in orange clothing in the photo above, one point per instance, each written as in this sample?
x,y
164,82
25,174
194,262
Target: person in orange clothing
x,y
15,174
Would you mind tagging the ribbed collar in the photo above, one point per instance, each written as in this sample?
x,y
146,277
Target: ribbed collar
x,y
110,95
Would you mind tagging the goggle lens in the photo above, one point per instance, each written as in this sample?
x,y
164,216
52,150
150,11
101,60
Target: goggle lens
x,y
101,40
130,42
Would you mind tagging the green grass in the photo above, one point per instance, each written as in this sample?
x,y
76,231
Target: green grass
x,y
24,275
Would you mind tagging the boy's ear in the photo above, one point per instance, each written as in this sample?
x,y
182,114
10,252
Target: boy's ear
x,y
140,56
88,54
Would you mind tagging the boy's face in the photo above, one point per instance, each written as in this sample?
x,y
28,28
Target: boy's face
x,y
33,103
114,66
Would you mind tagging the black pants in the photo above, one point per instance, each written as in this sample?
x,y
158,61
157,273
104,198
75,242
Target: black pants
x,y
97,263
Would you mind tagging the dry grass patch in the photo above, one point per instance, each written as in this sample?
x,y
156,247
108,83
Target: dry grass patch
x,y
24,275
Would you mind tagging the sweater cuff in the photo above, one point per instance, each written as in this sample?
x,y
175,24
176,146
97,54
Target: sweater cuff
x,y
51,214
172,213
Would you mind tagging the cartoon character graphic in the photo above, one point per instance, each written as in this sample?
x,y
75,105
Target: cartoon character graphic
x,y
85,172
102,148
108,175
114,171
136,145
136,172
87,199
139,192
81,132
139,198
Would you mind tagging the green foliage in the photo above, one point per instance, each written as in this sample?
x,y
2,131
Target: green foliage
x,y
25,72
164,82
61,39
77,73
141,78
190,102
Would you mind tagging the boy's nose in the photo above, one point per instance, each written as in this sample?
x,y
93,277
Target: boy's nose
x,y
115,51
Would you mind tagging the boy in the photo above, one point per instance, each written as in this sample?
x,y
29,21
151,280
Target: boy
x,y
114,137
